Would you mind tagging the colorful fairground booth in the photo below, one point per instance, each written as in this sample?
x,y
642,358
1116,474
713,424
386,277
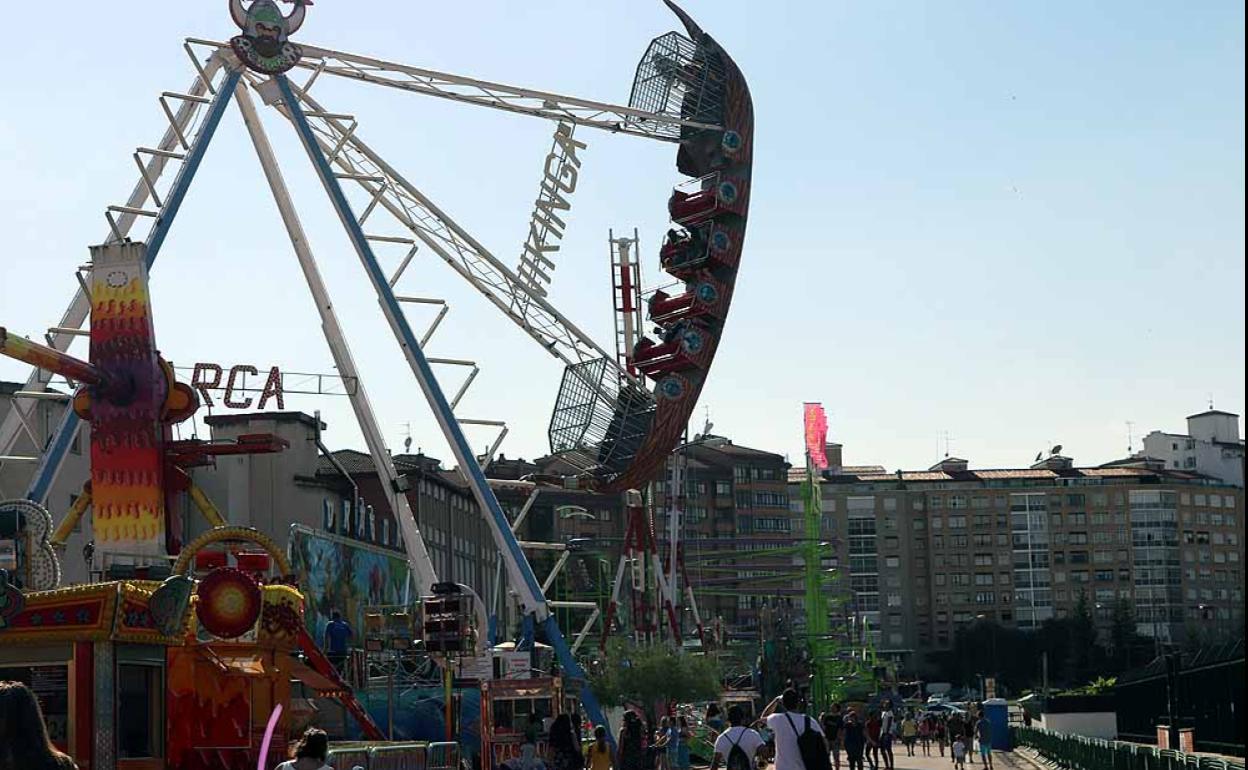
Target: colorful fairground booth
x,y
184,673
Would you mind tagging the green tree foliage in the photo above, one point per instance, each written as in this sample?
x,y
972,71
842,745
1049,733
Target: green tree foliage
x,y
1075,654
649,675
1102,685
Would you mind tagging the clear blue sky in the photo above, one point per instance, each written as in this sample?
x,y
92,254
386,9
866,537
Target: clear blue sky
x,y
1018,223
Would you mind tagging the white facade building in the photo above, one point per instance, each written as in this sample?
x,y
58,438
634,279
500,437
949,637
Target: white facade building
x,y
1211,446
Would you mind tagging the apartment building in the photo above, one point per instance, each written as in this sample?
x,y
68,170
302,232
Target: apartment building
x,y
736,502
1211,447
928,551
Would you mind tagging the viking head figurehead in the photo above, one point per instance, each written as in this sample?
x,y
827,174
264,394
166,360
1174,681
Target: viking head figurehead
x,y
264,44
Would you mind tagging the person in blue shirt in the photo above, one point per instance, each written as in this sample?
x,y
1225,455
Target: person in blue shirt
x,y
337,636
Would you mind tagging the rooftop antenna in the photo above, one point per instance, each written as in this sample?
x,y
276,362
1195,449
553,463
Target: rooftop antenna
x,y
706,429
948,441
1211,402
407,442
1130,436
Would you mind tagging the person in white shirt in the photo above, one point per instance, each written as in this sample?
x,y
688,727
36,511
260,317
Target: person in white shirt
x,y
786,725
737,734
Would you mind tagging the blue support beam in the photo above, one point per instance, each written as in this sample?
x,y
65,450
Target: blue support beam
x,y
54,455
519,569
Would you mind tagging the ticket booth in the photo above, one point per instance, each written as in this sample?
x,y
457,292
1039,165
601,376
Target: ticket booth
x,y
145,675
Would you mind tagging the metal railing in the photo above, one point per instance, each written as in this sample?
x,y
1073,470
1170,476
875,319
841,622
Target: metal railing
x,y
396,756
1075,752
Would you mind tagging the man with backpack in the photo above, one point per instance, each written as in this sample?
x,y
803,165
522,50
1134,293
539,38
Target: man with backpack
x,y
738,745
799,739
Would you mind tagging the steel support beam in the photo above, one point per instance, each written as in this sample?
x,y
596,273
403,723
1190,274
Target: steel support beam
x,y
417,555
483,93
518,567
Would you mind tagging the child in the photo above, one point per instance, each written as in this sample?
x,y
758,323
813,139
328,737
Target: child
x,y
959,753
909,732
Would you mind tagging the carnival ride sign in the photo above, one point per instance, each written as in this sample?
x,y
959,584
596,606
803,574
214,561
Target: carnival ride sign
x,y
208,377
546,227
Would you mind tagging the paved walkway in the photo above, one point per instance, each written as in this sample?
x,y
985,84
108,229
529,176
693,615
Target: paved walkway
x,y
1001,760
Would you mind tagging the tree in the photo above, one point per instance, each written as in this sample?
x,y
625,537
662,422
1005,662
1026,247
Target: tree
x,y
1128,647
650,675
1083,646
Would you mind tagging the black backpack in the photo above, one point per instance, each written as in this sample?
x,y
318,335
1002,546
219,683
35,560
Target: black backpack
x,y
737,759
810,743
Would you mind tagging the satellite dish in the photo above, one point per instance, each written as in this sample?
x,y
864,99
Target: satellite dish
x,y
407,445
1055,449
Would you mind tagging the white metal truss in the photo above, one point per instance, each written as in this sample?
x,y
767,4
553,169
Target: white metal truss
x,y
375,186
482,93
418,556
355,161
146,201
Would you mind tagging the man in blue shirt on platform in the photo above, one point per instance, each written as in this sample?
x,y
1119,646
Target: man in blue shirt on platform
x,y
337,634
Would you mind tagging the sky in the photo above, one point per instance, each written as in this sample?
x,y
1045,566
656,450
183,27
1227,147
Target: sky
x,y
979,227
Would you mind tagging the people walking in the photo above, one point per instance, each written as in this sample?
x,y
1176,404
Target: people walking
x,y
854,737
565,751
599,755
958,753
661,738
953,729
968,736
736,747
983,735
337,636
632,753
788,724
873,740
831,721
683,736
24,742
888,728
909,733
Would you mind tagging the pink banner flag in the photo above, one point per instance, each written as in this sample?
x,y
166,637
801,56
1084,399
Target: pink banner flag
x,y
816,422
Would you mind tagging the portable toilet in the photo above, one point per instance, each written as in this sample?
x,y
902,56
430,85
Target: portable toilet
x,y
998,713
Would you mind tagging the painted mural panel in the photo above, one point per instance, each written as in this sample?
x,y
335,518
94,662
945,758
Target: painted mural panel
x,y
337,573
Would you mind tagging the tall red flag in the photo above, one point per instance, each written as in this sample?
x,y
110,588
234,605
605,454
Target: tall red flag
x,y
816,422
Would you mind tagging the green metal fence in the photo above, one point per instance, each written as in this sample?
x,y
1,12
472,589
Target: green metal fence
x,y
1075,752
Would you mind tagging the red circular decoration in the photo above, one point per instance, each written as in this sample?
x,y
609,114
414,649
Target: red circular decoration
x,y
229,602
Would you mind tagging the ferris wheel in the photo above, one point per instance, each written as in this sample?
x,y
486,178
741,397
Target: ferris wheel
x,y
621,406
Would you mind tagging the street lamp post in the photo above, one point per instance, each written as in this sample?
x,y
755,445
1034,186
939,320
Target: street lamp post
x,y
992,636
